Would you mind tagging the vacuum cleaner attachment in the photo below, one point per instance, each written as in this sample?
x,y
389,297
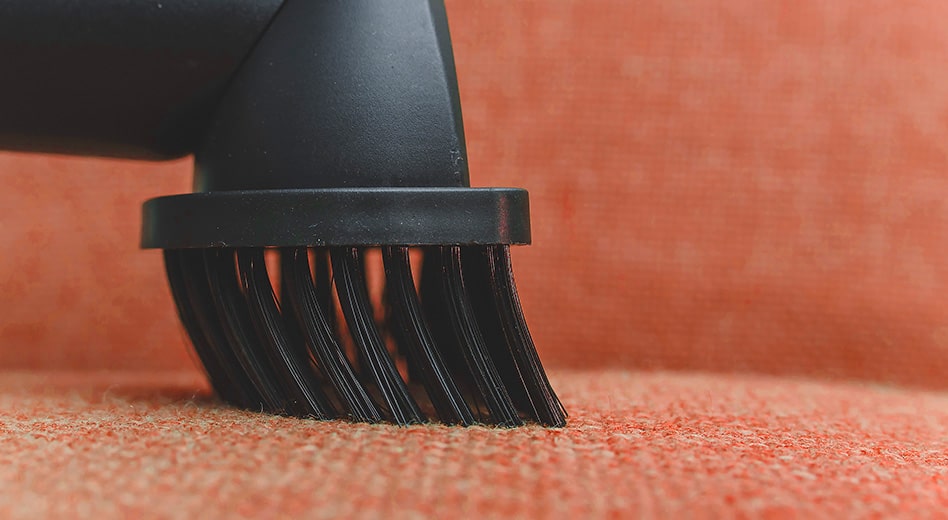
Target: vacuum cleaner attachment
x,y
334,261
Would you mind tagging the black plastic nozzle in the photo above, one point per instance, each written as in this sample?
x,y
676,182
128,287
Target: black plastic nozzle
x,y
337,94
357,103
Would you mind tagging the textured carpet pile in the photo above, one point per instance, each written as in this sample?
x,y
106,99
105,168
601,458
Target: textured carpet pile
x,y
643,445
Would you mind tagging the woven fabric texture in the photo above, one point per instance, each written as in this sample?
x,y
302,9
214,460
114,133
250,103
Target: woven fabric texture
x,y
639,446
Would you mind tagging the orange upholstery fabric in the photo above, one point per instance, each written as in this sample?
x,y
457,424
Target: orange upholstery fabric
x,y
739,188
640,446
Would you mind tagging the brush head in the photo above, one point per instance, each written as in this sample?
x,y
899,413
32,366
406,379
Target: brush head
x,y
338,151
342,323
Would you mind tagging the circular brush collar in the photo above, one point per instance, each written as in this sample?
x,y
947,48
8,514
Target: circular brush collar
x,y
331,217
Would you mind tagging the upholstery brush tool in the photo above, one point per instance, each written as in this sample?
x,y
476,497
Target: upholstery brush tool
x,y
333,260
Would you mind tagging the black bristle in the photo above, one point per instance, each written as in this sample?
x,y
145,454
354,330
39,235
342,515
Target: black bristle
x,y
306,304
415,340
291,327
434,303
349,275
512,345
323,285
232,315
471,342
477,280
290,362
185,270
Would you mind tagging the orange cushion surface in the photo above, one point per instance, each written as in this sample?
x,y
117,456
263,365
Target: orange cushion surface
x,y
640,445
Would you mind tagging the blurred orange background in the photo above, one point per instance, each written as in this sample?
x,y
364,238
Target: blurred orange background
x,y
729,186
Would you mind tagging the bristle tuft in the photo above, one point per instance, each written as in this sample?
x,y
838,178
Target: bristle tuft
x,y
471,342
349,275
233,314
291,362
319,348
414,338
546,405
187,278
307,302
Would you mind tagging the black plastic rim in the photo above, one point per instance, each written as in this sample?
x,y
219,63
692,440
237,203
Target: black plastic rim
x,y
336,217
